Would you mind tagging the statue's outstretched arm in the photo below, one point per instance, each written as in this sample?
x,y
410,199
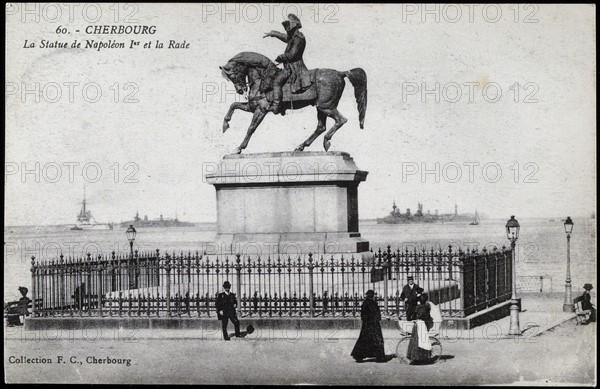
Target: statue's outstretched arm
x,y
279,35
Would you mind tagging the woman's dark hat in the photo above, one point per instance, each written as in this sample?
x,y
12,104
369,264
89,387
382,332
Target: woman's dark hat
x,y
250,329
226,284
22,288
370,292
588,287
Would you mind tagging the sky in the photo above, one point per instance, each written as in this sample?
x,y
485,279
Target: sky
x,y
491,108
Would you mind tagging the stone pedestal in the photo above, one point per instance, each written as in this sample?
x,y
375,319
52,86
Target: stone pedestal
x,y
288,203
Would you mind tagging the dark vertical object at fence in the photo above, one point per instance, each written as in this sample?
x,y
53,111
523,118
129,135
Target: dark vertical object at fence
x,y
450,262
168,271
238,280
99,286
34,289
386,276
311,285
468,275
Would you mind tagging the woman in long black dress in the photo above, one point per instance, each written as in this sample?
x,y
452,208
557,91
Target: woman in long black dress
x,y
370,341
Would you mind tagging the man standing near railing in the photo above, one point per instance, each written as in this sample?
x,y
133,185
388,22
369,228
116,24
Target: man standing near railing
x,y
226,304
411,294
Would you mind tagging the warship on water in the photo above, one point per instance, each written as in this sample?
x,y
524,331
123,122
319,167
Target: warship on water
x,y
85,220
160,222
396,217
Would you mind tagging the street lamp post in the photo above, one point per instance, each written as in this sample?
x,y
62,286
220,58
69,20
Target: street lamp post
x,y
512,233
568,304
131,237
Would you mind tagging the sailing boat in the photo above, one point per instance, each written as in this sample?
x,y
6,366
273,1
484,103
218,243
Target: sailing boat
x,y
475,221
85,220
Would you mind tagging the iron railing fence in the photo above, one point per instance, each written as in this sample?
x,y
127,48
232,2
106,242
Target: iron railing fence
x,y
153,284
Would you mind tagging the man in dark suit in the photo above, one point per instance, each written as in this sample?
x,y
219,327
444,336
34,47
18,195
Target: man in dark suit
x,y
411,294
226,304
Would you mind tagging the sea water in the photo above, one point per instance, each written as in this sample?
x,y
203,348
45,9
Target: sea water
x,y
541,249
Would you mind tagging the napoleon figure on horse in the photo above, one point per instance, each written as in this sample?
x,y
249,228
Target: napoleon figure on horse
x,y
271,89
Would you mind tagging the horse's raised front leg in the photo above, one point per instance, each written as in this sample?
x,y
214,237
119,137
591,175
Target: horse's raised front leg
x,y
340,120
232,108
322,119
258,117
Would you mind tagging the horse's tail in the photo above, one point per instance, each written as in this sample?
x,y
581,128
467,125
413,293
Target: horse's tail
x,y
358,78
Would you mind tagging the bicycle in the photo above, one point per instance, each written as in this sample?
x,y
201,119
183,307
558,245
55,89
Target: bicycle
x,y
406,328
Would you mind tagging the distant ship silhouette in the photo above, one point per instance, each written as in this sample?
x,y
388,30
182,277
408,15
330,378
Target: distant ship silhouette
x,y
160,222
85,220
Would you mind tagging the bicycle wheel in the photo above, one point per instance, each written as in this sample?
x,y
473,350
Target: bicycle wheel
x,y
436,349
402,349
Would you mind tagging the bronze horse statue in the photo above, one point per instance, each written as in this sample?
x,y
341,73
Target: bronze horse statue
x,y
252,72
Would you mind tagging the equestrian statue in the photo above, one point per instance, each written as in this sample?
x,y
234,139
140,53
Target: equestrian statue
x,y
271,89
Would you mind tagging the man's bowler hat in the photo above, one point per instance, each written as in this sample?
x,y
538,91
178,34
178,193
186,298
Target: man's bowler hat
x,y
410,278
226,284
588,287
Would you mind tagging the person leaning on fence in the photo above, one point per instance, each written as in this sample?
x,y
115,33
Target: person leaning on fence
x,y
411,294
586,305
226,304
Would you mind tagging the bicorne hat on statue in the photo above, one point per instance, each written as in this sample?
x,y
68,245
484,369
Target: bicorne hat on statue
x,y
292,21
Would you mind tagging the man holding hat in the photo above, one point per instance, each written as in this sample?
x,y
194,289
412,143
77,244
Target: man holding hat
x,y
294,68
226,304
411,294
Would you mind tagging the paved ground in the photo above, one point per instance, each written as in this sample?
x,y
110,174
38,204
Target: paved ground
x,y
549,353
565,354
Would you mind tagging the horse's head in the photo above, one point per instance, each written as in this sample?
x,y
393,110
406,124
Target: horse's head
x,y
236,74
